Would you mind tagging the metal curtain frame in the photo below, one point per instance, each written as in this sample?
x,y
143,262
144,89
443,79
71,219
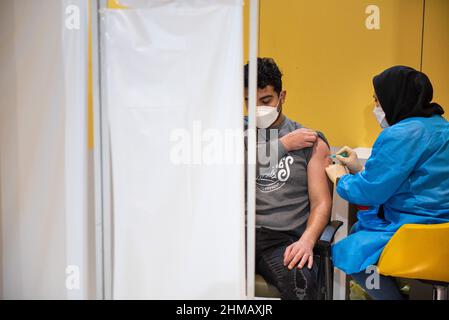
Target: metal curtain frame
x,y
251,154
102,165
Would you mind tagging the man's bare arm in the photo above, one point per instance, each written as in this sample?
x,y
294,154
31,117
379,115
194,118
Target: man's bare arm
x,y
320,198
319,191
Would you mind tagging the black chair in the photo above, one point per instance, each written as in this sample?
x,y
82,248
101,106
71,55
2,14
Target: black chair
x,y
322,252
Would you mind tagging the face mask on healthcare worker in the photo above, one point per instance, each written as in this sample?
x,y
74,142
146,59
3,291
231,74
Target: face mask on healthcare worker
x,y
267,115
380,116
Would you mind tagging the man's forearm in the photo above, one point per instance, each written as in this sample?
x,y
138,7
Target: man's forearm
x,y
318,220
285,143
276,152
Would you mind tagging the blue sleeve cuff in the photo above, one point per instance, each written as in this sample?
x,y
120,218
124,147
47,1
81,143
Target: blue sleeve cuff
x,y
342,189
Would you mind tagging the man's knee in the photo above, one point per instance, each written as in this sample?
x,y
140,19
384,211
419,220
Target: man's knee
x,y
299,284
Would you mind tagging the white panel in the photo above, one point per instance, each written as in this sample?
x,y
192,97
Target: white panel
x,y
178,228
43,150
74,53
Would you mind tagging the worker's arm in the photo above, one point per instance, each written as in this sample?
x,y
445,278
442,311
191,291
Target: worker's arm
x,y
395,155
301,252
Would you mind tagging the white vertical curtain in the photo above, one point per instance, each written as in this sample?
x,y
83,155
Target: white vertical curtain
x,y
173,89
45,245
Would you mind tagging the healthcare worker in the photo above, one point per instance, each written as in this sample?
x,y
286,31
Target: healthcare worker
x,y
406,179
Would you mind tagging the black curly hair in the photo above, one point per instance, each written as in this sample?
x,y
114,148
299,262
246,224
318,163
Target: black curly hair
x,y
268,73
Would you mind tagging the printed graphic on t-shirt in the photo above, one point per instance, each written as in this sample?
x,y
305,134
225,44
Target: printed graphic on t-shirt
x,y
276,177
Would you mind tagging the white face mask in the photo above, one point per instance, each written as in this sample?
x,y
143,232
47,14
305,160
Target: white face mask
x,y
380,116
267,115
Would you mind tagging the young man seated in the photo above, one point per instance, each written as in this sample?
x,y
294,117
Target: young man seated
x,y
293,199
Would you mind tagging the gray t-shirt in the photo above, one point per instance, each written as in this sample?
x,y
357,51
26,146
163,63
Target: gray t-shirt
x,y
282,198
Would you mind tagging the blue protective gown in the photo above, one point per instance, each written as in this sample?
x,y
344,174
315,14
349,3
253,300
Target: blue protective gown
x,y
408,172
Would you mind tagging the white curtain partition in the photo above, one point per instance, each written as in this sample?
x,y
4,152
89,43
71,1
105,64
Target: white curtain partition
x,y
173,88
45,243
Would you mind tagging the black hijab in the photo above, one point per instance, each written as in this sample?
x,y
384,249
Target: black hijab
x,y
404,92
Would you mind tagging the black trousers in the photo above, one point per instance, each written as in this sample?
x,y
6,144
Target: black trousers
x,y
295,284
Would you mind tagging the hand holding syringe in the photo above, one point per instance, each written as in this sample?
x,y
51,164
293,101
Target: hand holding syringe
x,y
348,157
343,154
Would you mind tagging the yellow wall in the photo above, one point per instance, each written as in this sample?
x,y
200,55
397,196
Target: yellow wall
x,y
329,57
436,50
115,4
90,98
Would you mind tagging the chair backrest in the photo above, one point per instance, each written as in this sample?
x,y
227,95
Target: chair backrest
x,y
417,251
